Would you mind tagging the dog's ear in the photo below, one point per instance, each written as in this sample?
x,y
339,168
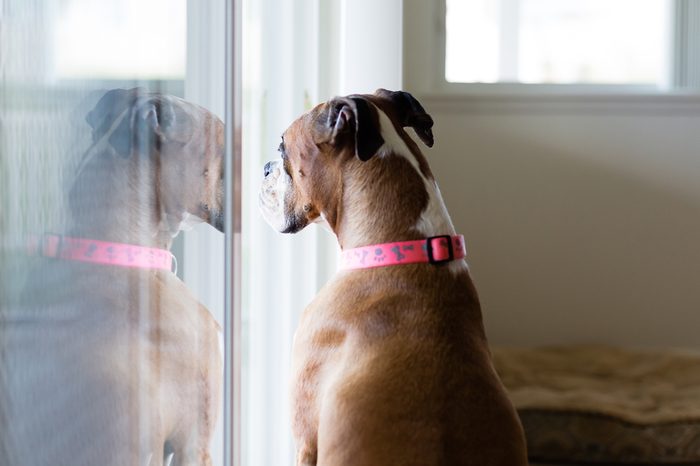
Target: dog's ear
x,y
355,117
111,117
138,120
410,113
161,118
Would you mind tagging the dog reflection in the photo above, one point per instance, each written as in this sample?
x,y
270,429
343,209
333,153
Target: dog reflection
x,y
112,362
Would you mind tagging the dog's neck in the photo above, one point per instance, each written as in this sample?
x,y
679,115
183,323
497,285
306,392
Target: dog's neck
x,y
369,189
119,204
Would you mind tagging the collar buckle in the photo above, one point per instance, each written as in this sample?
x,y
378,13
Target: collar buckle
x,y
438,257
48,245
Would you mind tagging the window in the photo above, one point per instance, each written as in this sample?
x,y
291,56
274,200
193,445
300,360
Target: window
x,y
558,41
58,58
552,46
120,40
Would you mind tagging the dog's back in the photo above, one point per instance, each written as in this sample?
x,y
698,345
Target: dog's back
x,y
402,373
63,405
103,369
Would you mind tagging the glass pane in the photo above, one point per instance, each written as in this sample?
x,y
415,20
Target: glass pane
x,y
106,356
472,41
558,41
126,39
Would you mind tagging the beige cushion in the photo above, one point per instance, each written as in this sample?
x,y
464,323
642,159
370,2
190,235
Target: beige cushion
x,y
593,404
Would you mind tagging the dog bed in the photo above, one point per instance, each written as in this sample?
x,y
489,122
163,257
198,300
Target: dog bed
x,y
604,405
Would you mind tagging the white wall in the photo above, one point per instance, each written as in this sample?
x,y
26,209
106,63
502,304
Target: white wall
x,y
581,212
581,215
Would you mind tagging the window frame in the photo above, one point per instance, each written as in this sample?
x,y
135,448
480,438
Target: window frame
x,y
211,263
424,60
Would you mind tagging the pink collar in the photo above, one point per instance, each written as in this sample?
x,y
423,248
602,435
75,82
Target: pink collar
x,y
433,250
101,252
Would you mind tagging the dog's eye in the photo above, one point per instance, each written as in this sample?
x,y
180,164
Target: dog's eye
x,y
206,172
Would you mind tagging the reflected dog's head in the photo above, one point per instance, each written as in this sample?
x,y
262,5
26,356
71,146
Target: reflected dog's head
x,y
305,183
171,149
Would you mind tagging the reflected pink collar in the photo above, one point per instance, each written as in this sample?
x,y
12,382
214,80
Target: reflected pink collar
x,y
433,250
101,252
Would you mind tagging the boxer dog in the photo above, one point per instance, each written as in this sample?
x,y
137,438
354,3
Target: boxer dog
x,y
111,364
390,362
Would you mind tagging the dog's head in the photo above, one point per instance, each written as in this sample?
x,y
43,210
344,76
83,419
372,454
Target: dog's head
x,y
306,180
180,144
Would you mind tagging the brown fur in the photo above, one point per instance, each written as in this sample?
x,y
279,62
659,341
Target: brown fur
x,y
390,365
111,365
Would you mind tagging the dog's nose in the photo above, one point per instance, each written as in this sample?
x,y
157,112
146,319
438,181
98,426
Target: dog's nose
x,y
267,169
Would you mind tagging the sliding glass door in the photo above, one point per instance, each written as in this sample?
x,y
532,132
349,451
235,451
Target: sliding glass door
x,y
118,130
